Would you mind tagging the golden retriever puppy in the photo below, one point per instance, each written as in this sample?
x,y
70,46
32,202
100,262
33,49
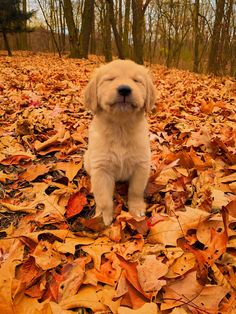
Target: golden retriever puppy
x,y
119,94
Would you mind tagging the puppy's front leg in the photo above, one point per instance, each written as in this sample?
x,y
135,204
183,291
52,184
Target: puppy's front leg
x,y
103,187
137,184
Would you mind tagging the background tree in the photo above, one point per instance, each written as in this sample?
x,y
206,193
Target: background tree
x,y
23,35
73,32
214,54
51,24
196,36
105,30
12,20
118,38
126,28
138,10
86,28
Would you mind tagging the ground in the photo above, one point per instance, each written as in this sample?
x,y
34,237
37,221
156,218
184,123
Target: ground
x,y
55,257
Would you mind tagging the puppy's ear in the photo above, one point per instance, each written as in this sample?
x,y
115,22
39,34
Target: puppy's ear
x,y
151,94
90,94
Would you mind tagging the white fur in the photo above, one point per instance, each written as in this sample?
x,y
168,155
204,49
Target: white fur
x,y
119,148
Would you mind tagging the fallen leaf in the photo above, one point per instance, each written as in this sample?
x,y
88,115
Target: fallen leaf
x,y
86,297
75,204
150,308
151,282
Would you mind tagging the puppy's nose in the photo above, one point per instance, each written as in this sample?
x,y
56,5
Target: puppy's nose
x,y
124,90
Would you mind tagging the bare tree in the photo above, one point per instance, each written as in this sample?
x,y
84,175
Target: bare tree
x,y
126,29
213,60
73,33
23,35
50,27
117,36
138,10
196,36
86,28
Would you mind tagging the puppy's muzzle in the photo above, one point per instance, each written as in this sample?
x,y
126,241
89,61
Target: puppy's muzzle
x,y
124,90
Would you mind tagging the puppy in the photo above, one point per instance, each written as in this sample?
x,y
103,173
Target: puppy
x,y
119,94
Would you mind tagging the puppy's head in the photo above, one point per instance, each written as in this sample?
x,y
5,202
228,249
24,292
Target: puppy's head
x,y
120,86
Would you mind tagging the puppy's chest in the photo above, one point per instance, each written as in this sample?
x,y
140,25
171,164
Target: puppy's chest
x,y
123,159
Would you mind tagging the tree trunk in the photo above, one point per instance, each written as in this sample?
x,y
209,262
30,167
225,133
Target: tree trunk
x,y
120,18
233,55
117,36
93,37
137,30
126,29
62,27
225,38
7,46
23,35
107,34
86,28
73,35
215,42
196,37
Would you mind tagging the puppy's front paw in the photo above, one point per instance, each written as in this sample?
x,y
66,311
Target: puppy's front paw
x,y
106,212
107,218
137,208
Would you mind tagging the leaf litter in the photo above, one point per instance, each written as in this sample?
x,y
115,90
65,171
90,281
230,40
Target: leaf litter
x,y
56,256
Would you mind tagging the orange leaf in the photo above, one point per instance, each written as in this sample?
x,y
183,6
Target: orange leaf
x,y
28,272
15,160
94,223
131,274
76,204
34,171
35,291
133,298
107,274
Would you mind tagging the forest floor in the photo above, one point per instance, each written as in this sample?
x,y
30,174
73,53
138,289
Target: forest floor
x,y
55,258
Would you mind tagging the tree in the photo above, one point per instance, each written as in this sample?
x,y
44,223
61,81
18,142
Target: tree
x,y
117,36
213,60
126,29
73,33
23,35
106,30
51,29
138,9
86,28
12,20
196,36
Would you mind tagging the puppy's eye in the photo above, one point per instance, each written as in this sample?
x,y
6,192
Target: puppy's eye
x,y
109,79
137,80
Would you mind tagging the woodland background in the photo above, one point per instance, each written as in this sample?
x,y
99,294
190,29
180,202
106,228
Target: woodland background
x,y
195,35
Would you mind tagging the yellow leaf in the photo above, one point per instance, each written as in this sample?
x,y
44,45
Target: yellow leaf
x,y
69,245
172,228
45,256
86,297
182,264
147,308
106,296
97,249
